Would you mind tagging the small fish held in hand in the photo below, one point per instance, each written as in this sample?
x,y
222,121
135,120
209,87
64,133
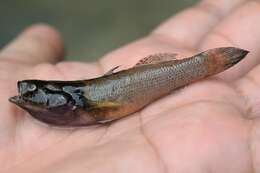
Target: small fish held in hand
x,y
116,95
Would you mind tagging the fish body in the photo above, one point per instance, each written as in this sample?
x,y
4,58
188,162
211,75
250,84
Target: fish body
x,y
116,95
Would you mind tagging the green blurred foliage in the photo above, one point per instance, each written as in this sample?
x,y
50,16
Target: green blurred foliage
x,y
90,28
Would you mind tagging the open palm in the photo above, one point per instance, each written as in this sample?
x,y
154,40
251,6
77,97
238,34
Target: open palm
x,y
208,126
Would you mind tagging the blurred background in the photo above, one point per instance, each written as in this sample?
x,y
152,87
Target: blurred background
x,y
90,28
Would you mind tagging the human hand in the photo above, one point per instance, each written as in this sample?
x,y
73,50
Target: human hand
x,y
208,126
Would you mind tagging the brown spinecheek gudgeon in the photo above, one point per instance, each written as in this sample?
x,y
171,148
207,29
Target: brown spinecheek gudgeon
x,y
115,95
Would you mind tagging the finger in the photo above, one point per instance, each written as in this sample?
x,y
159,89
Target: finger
x,y
249,88
163,40
37,44
240,29
190,26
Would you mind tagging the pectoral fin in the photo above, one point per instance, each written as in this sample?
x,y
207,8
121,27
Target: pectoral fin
x,y
104,105
153,59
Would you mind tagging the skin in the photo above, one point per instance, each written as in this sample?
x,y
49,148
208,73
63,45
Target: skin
x,y
210,126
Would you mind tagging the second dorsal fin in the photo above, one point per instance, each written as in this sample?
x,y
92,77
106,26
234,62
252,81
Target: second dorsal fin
x,y
156,58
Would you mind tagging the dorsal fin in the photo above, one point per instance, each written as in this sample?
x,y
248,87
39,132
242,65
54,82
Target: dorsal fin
x,y
156,58
111,71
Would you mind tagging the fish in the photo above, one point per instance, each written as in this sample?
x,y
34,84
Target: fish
x,y
118,94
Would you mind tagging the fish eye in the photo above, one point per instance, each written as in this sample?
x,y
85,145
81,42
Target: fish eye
x,y
25,87
31,87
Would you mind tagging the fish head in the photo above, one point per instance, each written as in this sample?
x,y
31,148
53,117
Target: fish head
x,y
48,104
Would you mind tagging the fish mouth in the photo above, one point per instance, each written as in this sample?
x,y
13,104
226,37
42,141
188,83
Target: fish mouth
x,y
18,100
